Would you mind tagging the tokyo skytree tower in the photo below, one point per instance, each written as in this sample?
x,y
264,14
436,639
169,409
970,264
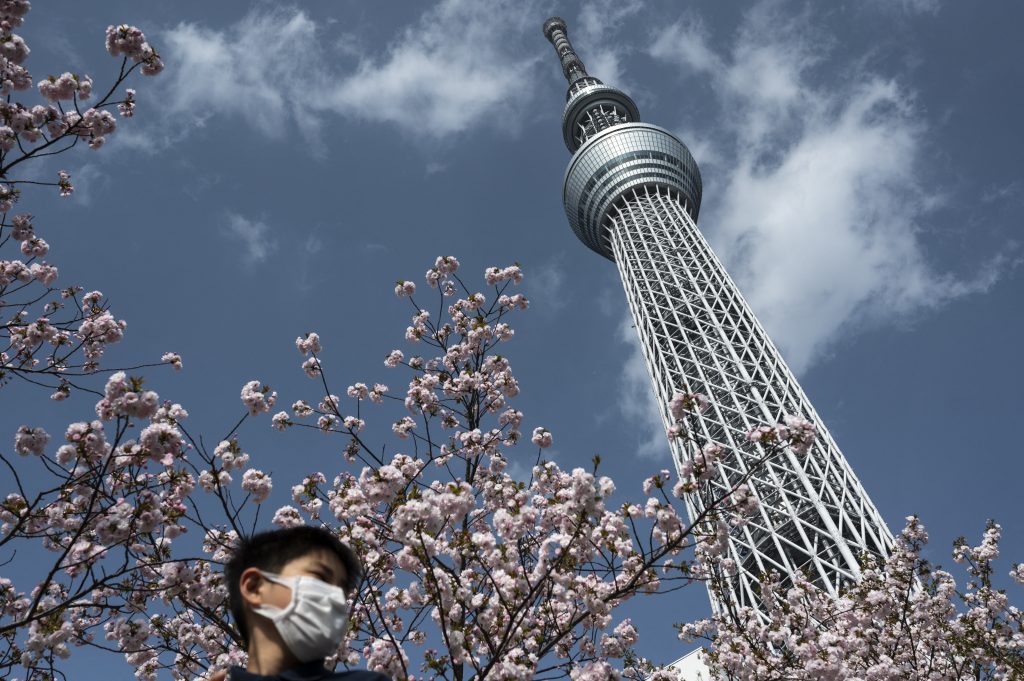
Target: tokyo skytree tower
x,y
632,193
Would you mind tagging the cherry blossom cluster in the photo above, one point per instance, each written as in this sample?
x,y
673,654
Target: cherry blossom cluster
x,y
902,619
28,124
308,344
797,431
258,398
172,358
67,86
49,344
495,275
227,456
50,336
13,50
64,183
131,42
109,523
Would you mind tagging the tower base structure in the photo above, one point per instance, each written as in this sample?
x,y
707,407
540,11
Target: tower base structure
x,y
690,667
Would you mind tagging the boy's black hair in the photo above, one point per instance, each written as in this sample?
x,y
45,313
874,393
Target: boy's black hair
x,y
271,551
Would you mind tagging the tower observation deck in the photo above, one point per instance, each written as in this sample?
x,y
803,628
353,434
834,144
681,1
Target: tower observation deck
x,y
632,193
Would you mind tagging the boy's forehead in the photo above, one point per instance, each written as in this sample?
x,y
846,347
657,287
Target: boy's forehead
x,y
322,561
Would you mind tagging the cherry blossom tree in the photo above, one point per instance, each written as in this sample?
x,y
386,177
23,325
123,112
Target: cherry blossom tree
x,y
88,519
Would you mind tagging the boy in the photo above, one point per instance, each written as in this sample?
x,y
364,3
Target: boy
x,y
289,593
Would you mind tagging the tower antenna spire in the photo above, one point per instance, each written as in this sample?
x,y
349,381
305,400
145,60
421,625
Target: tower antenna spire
x,y
556,31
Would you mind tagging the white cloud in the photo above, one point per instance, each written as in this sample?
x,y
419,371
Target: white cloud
x,y
1002,192
308,275
279,70
312,245
609,301
822,207
88,180
686,42
252,236
264,69
598,21
462,62
545,285
909,6
923,6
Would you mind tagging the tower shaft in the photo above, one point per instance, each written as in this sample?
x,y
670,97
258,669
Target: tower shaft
x,y
632,194
699,335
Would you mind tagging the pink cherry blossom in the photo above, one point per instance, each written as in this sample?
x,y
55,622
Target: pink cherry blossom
x,y
131,42
541,437
66,86
127,106
312,367
30,441
281,420
258,484
64,182
402,427
309,343
404,289
288,516
35,247
172,358
358,391
257,397
21,227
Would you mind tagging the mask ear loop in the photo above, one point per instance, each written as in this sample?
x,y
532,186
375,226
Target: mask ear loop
x,y
276,578
272,612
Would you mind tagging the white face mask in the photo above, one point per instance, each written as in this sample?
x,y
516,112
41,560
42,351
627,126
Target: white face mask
x,y
315,620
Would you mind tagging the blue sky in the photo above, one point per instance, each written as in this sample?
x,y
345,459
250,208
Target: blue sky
x,y
862,183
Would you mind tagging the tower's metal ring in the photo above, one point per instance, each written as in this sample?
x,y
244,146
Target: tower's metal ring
x,y
588,98
617,160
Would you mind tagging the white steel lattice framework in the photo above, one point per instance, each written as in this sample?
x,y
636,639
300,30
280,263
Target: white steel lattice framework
x,y
632,193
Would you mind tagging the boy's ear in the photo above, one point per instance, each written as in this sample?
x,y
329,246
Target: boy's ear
x,y
250,585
